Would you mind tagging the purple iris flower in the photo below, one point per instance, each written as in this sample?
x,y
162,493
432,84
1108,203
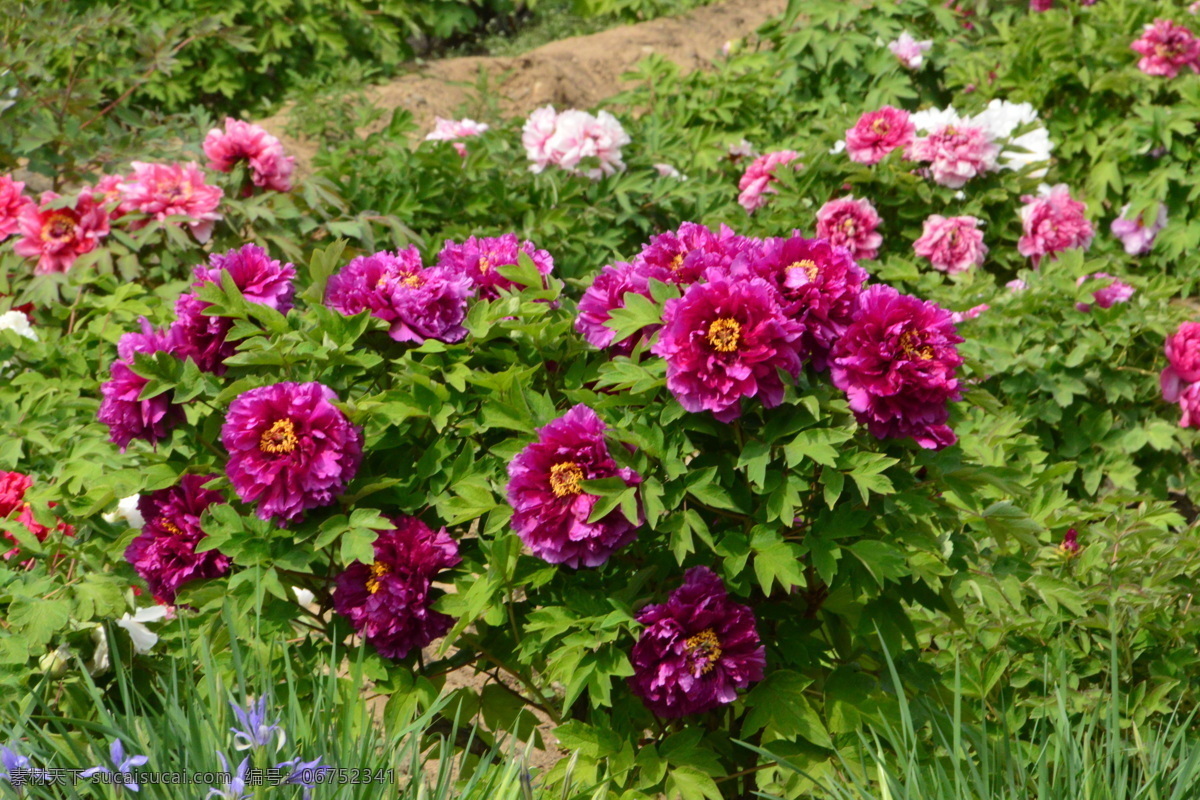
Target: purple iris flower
x,y
116,753
255,732
15,769
236,788
305,774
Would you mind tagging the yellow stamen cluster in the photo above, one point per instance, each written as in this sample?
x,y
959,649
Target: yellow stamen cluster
x,y
808,265
279,438
910,343
169,527
378,570
676,262
58,228
724,334
708,645
565,478
484,264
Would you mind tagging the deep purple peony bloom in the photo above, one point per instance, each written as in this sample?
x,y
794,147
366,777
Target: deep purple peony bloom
x,y
607,293
260,279
818,284
290,449
478,258
897,363
164,553
388,600
419,303
683,257
697,649
725,340
126,416
550,509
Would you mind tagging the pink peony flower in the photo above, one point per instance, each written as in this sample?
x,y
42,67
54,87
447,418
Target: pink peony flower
x,y
851,224
1194,8
14,508
448,130
759,177
1189,403
952,244
478,258
897,364
725,340
165,190
741,150
574,141
818,286
127,416
606,294
668,171
1053,222
878,133
58,236
1016,285
1166,48
957,153
270,167
1041,5
910,52
971,313
12,202
1107,296
1135,236
1183,353
682,257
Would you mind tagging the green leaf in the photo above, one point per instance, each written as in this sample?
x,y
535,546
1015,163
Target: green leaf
x,y
778,705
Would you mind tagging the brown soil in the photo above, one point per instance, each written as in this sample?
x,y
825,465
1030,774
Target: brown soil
x,y
579,72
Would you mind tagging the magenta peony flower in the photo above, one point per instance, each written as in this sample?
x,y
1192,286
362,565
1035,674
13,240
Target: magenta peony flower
x,y
1135,236
1183,353
164,553
270,167
574,141
878,133
1053,222
1189,404
851,224
478,259
13,507
683,257
58,236
165,190
725,340
818,286
1070,542
897,363
419,303
12,203
1107,296
696,650
388,601
952,244
550,508
290,449
957,153
909,51
449,130
260,278
1041,5
758,180
1166,48
126,416
606,293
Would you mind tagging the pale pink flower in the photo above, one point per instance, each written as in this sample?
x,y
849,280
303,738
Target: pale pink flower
x,y
1166,48
450,130
575,141
851,223
1053,222
1135,236
910,52
12,202
58,236
270,167
878,133
740,150
165,190
1016,285
957,153
536,133
668,171
952,244
757,181
1194,8
971,313
1107,296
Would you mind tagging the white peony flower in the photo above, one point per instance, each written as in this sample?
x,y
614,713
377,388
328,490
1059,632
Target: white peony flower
x,y
127,509
19,323
143,638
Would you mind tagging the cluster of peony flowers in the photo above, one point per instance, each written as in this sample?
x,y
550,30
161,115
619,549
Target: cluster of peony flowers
x,y
450,130
1180,381
420,302
14,508
759,178
575,141
753,309
1166,48
193,335
388,601
164,553
245,142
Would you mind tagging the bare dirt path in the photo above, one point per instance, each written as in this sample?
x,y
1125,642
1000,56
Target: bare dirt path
x,y
578,72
